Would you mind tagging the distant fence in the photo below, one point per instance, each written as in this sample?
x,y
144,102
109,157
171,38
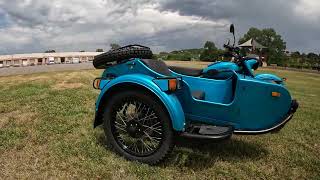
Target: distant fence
x,y
203,64
292,69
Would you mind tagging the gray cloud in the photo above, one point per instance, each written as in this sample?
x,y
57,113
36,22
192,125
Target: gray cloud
x,y
298,28
73,25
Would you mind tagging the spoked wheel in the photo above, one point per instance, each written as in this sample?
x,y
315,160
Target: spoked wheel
x,y
138,127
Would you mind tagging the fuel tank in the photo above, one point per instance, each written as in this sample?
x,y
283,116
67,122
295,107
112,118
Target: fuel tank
x,y
220,66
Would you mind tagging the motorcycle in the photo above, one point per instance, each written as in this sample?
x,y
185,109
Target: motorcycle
x,y
242,65
143,104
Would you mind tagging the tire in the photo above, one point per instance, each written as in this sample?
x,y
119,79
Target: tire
x,y
121,54
138,127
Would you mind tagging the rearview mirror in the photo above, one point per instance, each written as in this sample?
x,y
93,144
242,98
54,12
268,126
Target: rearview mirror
x,y
232,28
232,31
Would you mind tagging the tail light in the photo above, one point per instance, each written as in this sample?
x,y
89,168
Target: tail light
x,y
96,83
172,84
275,94
168,84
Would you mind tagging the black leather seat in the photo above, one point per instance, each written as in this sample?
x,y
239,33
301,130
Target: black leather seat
x,y
161,68
186,71
158,66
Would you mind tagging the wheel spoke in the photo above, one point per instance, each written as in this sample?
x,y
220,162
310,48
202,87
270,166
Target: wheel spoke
x,y
136,127
138,108
153,139
147,147
155,128
122,118
148,117
120,127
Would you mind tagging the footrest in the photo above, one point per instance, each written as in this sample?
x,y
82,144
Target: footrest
x,y
214,130
208,132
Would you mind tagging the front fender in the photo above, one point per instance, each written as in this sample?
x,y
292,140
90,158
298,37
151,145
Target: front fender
x,y
169,100
269,78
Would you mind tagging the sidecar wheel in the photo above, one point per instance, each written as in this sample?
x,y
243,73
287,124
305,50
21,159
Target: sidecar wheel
x,y
138,127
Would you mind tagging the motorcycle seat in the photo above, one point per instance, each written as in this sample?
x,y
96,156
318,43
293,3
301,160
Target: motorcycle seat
x,y
157,66
160,67
186,70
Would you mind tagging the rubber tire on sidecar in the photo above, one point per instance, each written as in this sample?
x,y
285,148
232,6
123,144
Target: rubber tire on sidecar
x,y
124,53
167,142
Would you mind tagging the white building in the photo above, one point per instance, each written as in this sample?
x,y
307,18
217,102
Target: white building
x,y
46,58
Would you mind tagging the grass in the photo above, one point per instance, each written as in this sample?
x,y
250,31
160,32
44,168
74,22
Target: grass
x,y
46,132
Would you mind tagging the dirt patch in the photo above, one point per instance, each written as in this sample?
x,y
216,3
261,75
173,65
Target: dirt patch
x,y
65,85
11,80
19,118
3,121
36,78
23,163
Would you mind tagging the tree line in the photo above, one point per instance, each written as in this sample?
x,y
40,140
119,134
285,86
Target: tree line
x,y
275,51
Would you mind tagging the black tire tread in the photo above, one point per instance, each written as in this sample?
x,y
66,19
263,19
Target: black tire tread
x,y
121,54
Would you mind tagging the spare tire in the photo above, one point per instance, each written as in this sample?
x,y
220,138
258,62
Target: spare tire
x,y
119,55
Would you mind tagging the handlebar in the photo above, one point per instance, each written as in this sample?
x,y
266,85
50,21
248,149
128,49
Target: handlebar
x,y
233,52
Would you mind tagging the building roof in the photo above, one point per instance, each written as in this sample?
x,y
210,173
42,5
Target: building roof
x,y
41,55
252,44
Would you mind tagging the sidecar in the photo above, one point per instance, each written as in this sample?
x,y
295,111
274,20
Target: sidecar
x,y
143,104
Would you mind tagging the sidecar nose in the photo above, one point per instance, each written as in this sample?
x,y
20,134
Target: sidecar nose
x,y
293,109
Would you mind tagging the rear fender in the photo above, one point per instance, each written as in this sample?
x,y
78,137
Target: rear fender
x,y
169,100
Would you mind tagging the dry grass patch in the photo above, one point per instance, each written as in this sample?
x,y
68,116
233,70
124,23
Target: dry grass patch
x,y
64,85
18,117
25,162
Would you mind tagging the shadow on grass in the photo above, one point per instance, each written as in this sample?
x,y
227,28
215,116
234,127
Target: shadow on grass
x,y
202,154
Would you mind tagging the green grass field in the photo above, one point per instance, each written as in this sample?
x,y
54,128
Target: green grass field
x,y
46,131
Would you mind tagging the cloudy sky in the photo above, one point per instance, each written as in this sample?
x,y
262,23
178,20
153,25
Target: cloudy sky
x,y
164,25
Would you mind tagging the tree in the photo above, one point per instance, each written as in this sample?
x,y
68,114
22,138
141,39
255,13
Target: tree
x,y
313,59
163,53
295,54
99,50
114,46
269,38
210,52
209,45
312,56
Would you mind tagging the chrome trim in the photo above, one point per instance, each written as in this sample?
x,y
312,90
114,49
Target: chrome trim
x,y
266,130
200,136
